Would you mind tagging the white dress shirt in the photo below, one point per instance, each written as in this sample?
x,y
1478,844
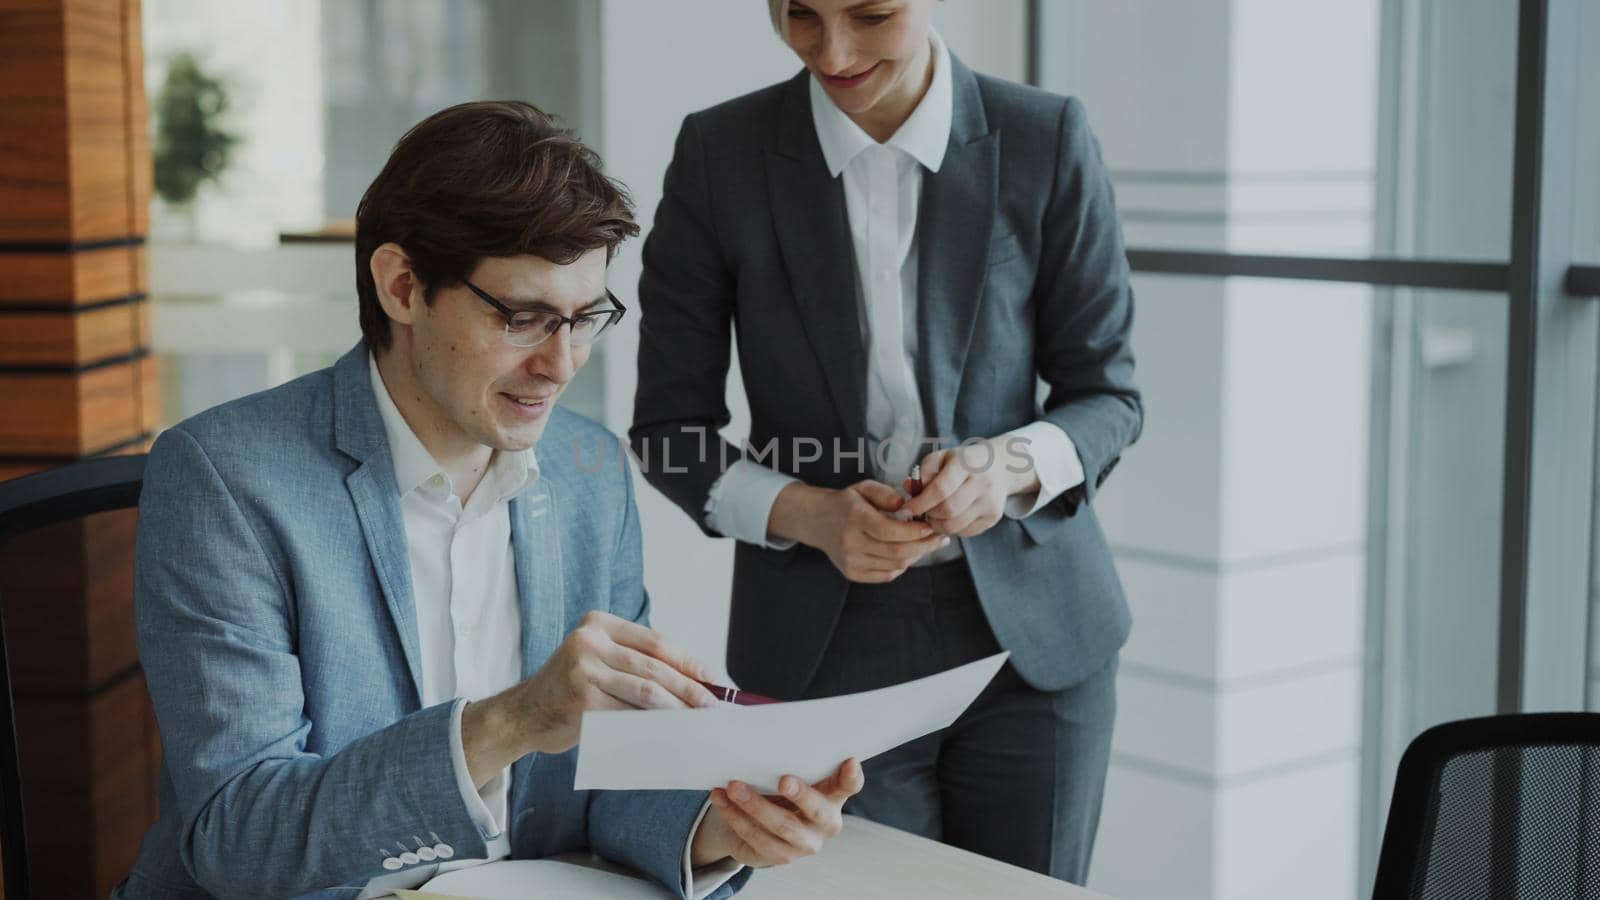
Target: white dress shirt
x,y
882,191
469,620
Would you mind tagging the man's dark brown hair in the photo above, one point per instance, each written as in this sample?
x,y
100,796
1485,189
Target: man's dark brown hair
x,y
484,179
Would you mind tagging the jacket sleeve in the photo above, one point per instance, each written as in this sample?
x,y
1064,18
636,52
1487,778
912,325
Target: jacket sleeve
x,y
686,309
261,816
1084,308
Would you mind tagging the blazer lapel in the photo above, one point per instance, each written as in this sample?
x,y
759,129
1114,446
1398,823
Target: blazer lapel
x,y
955,221
536,545
808,213
358,432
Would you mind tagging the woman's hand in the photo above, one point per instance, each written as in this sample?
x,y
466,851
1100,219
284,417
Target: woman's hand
x,y
964,489
856,527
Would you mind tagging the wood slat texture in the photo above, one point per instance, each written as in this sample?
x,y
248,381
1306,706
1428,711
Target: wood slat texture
x,y
87,787
71,279
141,324
67,339
67,591
75,179
149,386
140,172
33,130
72,142
70,415
97,118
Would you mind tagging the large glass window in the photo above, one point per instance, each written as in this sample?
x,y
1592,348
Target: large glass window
x,y
1383,135
1259,127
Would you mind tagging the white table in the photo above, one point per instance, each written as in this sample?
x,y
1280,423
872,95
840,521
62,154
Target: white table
x,y
866,861
872,860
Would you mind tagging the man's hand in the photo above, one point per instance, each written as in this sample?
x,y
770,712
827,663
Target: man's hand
x,y
605,663
774,831
855,527
965,488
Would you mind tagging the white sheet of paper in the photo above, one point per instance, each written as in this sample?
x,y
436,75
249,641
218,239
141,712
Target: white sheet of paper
x,y
701,749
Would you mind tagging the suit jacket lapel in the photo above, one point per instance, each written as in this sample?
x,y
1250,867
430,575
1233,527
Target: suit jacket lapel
x,y
536,546
358,432
813,231
954,224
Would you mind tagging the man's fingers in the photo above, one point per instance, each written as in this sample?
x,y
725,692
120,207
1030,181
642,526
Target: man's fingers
x,y
605,701
639,693
626,659
822,810
780,822
845,783
767,849
647,641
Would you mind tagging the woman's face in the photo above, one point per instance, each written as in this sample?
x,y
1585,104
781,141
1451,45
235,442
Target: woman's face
x,y
867,54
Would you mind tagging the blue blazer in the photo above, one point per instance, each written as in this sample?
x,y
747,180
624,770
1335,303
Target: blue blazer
x,y
279,639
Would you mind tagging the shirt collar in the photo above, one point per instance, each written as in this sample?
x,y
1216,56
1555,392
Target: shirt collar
x,y
416,469
924,135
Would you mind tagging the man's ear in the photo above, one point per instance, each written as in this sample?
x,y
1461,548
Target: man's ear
x,y
399,291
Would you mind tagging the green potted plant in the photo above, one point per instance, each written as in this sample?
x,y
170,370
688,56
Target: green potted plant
x,y
191,146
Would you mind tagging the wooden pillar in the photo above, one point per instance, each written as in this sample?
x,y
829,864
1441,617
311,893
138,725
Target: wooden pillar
x,y
76,380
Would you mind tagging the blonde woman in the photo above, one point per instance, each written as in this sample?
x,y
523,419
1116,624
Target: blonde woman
x,y
900,248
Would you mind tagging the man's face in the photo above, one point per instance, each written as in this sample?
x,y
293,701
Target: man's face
x,y
474,385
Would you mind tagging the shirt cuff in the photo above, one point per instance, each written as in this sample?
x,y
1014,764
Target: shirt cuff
x,y
740,503
1055,459
702,882
477,803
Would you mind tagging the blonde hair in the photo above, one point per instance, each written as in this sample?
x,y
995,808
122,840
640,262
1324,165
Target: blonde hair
x,y
779,10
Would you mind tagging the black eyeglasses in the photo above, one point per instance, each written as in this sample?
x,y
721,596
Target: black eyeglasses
x,y
532,327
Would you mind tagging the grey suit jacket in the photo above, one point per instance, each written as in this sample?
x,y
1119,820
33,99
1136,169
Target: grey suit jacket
x,y
279,638
1022,275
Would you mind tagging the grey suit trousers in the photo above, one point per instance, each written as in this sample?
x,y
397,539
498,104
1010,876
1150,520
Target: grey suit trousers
x,y
1020,775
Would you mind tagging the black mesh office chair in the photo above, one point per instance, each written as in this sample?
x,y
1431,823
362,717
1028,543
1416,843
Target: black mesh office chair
x,y
26,504
1500,808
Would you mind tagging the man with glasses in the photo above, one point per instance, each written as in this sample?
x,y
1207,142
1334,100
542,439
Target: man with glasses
x,y
373,603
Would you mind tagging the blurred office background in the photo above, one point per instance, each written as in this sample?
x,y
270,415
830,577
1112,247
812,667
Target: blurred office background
x,y
1310,529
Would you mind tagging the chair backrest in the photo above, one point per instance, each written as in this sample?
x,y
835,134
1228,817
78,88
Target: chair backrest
x,y
26,504
1498,808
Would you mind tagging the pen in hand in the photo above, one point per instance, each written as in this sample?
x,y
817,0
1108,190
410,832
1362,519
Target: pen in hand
x,y
736,696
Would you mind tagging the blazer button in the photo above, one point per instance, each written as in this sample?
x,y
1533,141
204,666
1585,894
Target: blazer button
x,y
426,854
391,863
444,850
410,858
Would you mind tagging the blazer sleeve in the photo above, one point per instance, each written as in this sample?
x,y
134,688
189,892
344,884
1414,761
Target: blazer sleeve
x,y
648,831
1084,309
261,816
686,309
